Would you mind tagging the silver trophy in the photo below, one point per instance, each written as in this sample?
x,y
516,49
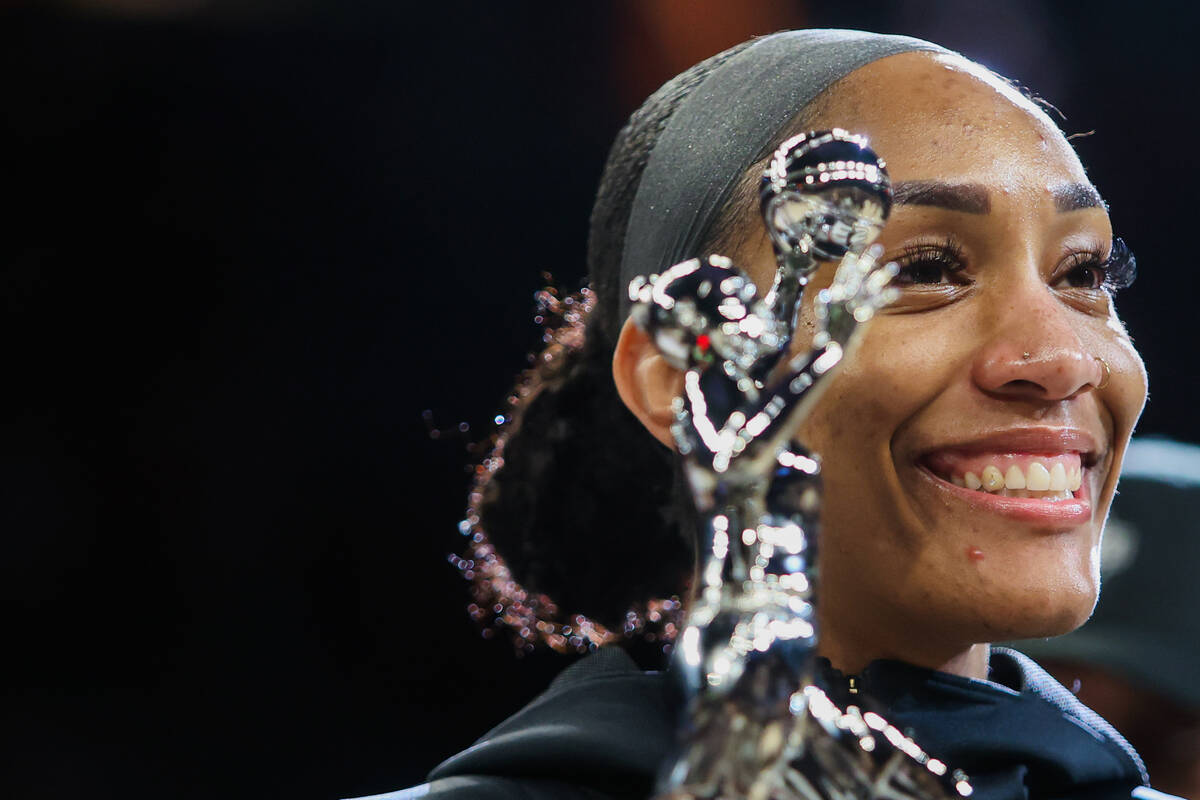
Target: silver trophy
x,y
756,725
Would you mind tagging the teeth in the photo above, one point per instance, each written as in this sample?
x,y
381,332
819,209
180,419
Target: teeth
x,y
1039,477
1055,483
1014,478
993,480
1058,478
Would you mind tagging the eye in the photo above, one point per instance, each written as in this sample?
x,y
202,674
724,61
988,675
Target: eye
x,y
930,264
1084,269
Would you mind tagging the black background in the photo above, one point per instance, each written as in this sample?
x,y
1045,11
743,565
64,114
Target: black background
x,y
247,245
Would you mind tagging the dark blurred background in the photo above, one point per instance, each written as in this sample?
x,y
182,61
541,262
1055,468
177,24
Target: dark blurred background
x,y
248,243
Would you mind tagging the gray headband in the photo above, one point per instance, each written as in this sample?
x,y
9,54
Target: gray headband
x,y
722,128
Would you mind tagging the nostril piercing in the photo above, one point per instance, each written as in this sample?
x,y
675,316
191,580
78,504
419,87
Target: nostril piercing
x,y
1107,373
1026,355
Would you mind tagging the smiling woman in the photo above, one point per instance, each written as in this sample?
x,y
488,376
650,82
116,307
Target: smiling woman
x,y
971,444
988,365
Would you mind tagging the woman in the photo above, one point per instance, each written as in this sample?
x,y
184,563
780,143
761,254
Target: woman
x,y
971,445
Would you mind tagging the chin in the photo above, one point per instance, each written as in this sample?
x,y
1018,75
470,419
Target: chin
x,y
1044,624
1041,604
1027,587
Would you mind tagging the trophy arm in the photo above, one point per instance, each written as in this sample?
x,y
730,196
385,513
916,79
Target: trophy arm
x,y
754,437
796,265
860,288
763,429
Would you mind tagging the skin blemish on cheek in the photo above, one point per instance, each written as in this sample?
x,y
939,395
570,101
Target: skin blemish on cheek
x,y
974,554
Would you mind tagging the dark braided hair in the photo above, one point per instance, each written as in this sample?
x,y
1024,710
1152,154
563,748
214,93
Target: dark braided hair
x,y
577,500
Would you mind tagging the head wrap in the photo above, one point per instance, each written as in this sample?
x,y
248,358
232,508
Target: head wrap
x,y
723,126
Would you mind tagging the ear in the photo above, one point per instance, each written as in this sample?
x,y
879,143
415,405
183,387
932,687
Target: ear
x,y
645,381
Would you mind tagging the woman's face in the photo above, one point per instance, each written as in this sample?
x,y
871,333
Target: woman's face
x,y
990,362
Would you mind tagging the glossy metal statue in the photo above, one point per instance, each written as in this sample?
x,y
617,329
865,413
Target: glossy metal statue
x,y
757,728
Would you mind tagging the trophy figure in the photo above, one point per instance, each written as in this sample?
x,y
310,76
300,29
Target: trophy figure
x,y
756,726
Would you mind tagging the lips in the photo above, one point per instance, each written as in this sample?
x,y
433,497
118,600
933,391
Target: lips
x,y
1032,474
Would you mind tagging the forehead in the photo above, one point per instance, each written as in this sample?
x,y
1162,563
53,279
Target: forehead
x,y
941,116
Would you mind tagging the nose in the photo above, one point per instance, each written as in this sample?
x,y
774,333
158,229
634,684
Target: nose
x,y
1035,351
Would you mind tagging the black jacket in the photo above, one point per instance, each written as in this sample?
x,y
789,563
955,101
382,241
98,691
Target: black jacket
x,y
601,729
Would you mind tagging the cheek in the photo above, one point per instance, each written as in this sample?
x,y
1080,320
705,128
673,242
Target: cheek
x,y
1121,402
903,367
856,413
886,382
1129,383
897,368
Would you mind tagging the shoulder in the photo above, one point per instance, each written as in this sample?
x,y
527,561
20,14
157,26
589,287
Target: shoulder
x,y
598,732
1036,681
1018,734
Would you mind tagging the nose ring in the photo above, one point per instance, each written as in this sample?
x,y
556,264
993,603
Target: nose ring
x,y
1026,355
1107,373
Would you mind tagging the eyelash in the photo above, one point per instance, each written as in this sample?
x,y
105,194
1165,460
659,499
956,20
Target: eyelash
x,y
946,254
1115,272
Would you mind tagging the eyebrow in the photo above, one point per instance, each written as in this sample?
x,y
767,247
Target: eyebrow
x,y
974,198
1076,196
970,198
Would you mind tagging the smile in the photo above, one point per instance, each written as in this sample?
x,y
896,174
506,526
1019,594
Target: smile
x,y
1038,476
1052,477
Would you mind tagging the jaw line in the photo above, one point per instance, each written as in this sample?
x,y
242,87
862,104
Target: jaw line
x,y
1108,487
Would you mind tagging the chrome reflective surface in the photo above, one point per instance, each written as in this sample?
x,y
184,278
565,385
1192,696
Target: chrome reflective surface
x,y
756,726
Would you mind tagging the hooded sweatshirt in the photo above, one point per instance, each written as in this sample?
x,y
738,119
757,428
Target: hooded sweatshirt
x,y
603,727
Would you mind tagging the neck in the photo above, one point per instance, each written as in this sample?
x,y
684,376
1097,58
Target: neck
x,y
850,651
